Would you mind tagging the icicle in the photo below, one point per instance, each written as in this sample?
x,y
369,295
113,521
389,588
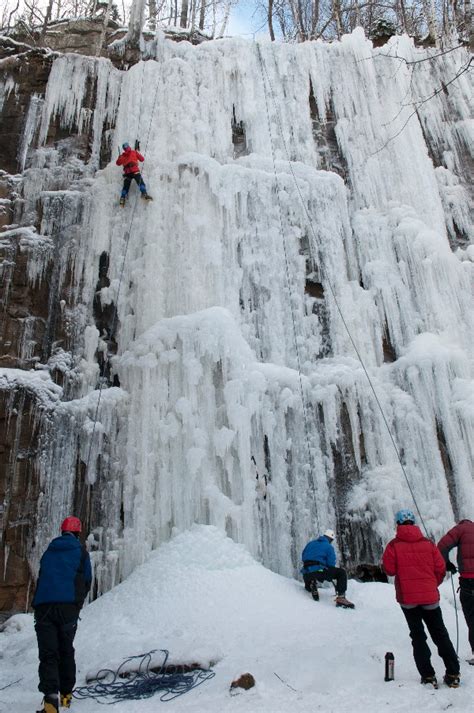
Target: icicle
x,y
232,293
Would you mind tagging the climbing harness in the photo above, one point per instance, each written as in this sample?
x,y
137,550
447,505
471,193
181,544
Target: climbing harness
x,y
266,79
128,683
115,310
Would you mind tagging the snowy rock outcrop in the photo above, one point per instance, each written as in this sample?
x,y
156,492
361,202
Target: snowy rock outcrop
x,y
309,209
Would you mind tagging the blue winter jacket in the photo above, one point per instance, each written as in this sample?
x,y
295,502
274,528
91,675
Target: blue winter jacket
x,y
320,553
65,574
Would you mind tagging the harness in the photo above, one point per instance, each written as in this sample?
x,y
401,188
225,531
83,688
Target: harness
x,y
315,563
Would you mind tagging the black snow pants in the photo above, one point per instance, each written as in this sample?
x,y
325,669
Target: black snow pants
x,y
421,652
55,626
466,595
329,574
127,180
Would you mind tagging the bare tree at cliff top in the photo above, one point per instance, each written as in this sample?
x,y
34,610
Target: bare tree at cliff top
x,y
302,20
136,21
210,16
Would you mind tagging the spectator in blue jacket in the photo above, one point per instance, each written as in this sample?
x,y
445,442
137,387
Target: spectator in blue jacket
x,y
64,580
319,565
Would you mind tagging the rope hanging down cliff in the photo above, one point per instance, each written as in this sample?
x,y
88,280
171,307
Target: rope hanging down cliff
x,y
311,474
266,79
265,76
115,310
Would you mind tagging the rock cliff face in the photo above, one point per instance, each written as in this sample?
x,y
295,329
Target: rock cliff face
x,y
186,361
36,330
20,414
24,312
33,325
26,72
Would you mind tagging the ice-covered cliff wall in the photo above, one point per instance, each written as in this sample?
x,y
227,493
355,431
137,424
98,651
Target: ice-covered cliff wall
x,y
293,193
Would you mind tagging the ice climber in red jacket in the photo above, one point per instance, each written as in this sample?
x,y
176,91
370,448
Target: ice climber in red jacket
x,y
419,569
129,159
462,537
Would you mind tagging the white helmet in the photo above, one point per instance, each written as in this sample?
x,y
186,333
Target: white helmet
x,y
330,534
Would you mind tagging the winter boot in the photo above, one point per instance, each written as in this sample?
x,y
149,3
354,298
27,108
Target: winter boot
x,y
147,197
65,700
313,588
471,660
122,201
50,704
429,680
341,601
452,680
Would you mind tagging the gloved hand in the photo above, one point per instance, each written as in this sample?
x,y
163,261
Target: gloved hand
x,y
450,567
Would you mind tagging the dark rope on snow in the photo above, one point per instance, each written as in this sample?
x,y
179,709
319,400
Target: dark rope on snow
x,y
284,682
333,294
123,684
3,688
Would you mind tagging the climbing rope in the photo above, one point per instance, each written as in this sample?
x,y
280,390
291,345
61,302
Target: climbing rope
x,y
456,613
115,310
292,311
266,78
143,681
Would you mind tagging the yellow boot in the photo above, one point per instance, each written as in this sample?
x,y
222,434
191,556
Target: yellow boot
x,y
66,700
50,704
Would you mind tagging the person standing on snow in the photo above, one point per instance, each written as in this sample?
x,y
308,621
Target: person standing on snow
x,y
131,172
64,580
419,569
319,565
462,537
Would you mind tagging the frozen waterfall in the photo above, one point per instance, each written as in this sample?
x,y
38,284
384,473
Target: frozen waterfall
x,y
297,192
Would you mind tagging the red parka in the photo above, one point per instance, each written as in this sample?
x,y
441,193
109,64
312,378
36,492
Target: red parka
x,y
462,537
129,160
417,565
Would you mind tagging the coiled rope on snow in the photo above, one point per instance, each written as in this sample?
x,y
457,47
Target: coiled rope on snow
x,y
144,681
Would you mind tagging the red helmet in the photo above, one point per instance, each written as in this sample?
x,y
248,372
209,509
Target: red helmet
x,y
71,524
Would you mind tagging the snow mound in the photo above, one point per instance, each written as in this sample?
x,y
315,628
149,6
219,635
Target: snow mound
x,y
202,547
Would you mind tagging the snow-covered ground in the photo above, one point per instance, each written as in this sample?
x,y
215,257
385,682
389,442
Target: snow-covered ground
x,y
204,598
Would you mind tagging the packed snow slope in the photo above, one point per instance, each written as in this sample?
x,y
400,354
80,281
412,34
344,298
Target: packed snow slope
x,y
338,217
204,598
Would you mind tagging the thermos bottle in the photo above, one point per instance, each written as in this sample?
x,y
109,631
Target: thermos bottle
x,y
389,666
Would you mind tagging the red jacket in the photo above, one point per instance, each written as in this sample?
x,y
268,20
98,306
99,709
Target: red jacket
x,y
462,537
129,160
417,565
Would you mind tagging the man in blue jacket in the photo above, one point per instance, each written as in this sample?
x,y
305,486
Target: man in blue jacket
x,y
63,583
319,565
